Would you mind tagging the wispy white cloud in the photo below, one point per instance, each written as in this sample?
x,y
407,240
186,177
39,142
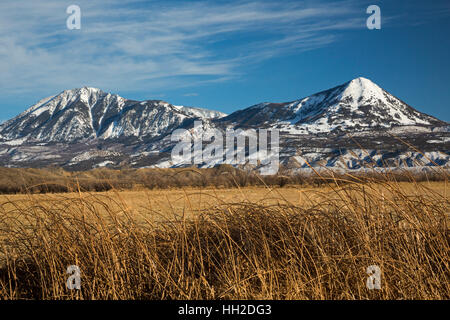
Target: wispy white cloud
x,y
150,45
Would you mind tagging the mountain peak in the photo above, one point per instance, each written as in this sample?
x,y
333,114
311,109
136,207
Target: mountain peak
x,y
362,80
88,113
358,104
362,88
83,91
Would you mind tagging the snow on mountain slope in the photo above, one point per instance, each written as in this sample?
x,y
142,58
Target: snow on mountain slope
x,y
89,113
356,105
69,116
201,113
85,128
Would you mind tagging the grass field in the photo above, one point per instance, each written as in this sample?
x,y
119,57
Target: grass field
x,y
295,242
174,202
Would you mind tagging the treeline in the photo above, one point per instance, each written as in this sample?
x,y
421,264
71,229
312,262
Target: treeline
x,y
57,180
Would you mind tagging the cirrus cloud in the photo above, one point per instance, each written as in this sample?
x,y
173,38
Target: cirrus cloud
x,y
141,45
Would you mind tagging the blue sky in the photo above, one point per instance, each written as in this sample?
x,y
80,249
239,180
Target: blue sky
x,y
223,55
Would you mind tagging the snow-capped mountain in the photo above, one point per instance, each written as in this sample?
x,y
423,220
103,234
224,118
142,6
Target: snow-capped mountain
x,y
89,113
351,126
356,105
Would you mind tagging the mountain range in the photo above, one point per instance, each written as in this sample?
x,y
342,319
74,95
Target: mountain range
x,y
351,126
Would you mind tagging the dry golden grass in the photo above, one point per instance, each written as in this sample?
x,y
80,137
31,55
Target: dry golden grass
x,y
175,201
241,243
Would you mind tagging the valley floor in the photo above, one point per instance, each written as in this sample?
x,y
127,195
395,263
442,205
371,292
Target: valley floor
x,y
174,202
